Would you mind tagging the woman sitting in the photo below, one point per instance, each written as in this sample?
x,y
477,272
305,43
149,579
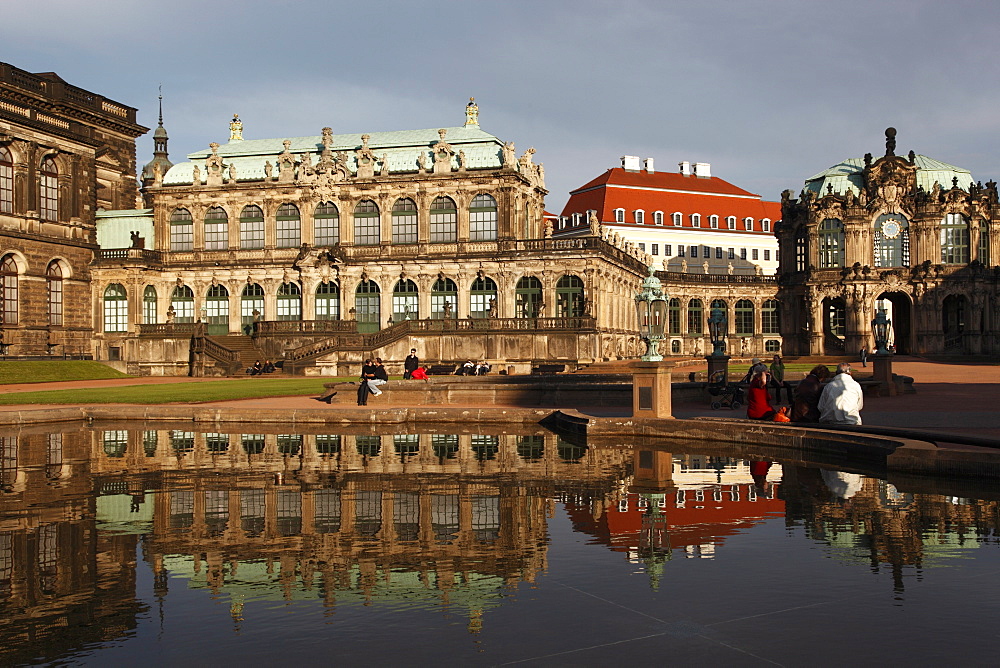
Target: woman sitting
x,y
758,400
805,408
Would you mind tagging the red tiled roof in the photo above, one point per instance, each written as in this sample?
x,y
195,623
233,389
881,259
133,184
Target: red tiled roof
x,y
666,180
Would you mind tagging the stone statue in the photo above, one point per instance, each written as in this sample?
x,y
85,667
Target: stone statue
x,y
509,159
442,154
196,176
684,266
595,225
447,309
232,172
705,266
214,166
729,269
385,165
268,169
461,161
157,174
421,163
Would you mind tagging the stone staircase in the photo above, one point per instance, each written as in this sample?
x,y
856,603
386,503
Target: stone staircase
x,y
243,345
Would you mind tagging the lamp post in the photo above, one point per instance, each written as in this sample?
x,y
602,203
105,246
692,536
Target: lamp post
x,y
718,360
651,311
882,360
881,326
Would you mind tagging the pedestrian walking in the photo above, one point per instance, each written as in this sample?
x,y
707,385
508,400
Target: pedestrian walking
x,y
864,356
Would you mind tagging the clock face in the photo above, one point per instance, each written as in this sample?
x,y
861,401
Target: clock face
x,y
891,228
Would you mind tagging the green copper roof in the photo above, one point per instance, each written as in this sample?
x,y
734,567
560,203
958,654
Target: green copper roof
x,y
847,176
114,228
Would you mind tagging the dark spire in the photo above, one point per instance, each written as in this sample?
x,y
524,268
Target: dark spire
x,y
890,141
160,156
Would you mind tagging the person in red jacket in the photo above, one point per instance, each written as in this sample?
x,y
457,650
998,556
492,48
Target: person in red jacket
x,y
758,400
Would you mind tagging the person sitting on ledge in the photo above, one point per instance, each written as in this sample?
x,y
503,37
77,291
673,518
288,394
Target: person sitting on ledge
x,y
255,369
805,408
482,368
420,373
842,398
759,400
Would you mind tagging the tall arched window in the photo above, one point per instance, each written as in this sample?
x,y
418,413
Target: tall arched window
x,y
48,190
6,181
892,241
770,322
404,301
569,297
483,295
289,226
368,306
954,239
831,244
404,222
181,230
115,308
674,316
251,227
444,298
744,317
444,220
54,283
367,224
983,253
326,224
527,297
801,249
289,301
216,229
149,304
328,301
251,306
182,303
217,310
696,317
483,218
8,291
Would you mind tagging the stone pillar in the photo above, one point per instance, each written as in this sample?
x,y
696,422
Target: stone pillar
x,y
718,363
882,372
651,389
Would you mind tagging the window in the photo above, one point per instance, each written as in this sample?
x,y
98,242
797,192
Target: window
x,y
54,283
483,218
149,303
48,190
289,301
8,291
748,224
640,216
678,219
251,227
527,297
680,251
655,250
619,215
368,306
765,224
326,224
483,297
695,220
657,217
668,249
404,221
984,242
718,252
892,241
181,230
706,252
289,226
182,303
444,299
731,222
769,321
732,254
743,253
217,310
367,225
754,254
694,251
713,222
569,297
216,229
696,317
831,243
955,239
115,308
674,316
404,301
642,246
772,346
744,317
444,220
6,181
328,301
767,254
251,306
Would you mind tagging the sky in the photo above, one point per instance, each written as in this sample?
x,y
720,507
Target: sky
x,y
769,92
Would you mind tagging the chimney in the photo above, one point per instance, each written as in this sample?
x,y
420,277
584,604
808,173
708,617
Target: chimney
x,y
630,163
649,165
685,168
703,169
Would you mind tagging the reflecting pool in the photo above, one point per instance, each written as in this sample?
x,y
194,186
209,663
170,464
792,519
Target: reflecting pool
x,y
163,545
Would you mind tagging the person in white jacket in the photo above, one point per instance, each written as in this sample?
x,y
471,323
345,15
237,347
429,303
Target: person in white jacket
x,y
842,399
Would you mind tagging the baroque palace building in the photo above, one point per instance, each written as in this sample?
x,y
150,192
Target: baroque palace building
x,y
64,153
909,235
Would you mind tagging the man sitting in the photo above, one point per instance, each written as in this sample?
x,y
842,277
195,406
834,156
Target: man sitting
x,y
842,399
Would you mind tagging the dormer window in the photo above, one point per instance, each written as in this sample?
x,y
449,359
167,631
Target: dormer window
x,y
576,219
658,217
730,222
713,222
640,216
619,215
748,224
765,225
678,218
695,220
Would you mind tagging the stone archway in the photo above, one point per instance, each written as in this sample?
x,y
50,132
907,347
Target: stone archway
x,y
899,310
954,318
834,325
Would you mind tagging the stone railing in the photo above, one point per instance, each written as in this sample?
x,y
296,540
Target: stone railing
x,y
168,330
60,91
118,254
284,327
716,279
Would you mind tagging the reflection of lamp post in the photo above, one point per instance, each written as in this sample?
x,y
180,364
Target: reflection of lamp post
x,y
651,311
881,326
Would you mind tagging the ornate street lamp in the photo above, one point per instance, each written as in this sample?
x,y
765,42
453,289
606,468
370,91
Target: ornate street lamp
x,y
717,331
651,311
881,326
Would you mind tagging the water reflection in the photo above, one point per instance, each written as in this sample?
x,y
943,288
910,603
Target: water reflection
x,y
435,521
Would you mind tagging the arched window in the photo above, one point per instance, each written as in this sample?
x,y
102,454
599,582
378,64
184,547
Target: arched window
x,y
6,181
713,222
619,215
748,224
770,322
251,227
289,301
984,242
657,217
678,218
251,306
731,222
54,283
695,220
115,308
328,301
181,230
444,299
48,190
744,317
765,224
368,306
326,224
404,221
367,225
640,216
483,218
404,301
289,226
217,310
954,239
444,220
149,304
831,244
527,297
182,303
801,249
216,229
674,316
892,241
696,317
482,297
8,291
569,297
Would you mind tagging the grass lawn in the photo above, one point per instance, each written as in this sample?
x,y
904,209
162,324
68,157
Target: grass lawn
x,y
43,371
221,390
